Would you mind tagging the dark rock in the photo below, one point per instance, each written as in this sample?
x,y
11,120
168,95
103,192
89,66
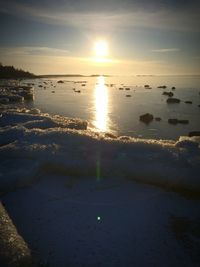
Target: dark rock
x,y
60,81
128,95
194,133
158,119
173,100
53,91
162,86
173,121
170,94
121,88
176,121
146,86
146,118
173,87
127,88
188,102
183,121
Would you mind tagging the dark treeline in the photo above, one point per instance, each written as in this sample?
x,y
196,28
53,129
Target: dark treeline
x,y
9,72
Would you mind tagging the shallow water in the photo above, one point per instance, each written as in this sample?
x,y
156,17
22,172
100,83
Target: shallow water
x,y
108,109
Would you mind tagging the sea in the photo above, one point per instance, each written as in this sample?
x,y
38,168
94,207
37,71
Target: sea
x,y
115,104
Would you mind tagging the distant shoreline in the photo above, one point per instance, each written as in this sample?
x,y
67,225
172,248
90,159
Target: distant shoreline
x,y
70,75
114,75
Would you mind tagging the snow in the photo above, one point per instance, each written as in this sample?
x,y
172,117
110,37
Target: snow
x,y
58,177
58,217
53,143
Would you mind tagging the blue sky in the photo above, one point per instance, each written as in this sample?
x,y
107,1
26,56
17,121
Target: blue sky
x,y
144,37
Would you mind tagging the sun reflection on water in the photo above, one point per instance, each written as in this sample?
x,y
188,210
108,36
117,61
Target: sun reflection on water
x,y
101,105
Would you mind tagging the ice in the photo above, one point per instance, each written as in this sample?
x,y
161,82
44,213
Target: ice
x,y
15,93
32,117
32,143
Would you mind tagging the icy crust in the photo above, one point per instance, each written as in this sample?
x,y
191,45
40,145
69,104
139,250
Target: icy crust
x,y
33,119
14,93
33,145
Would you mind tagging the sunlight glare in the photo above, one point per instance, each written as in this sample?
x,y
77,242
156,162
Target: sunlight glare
x,y
101,103
101,49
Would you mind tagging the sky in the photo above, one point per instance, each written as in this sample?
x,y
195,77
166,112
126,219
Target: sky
x,y
157,37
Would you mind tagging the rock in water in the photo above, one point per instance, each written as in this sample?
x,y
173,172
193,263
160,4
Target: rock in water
x,y
158,119
173,121
176,121
173,100
183,121
146,118
170,94
162,86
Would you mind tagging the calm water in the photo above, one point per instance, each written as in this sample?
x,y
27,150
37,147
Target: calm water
x,y
108,109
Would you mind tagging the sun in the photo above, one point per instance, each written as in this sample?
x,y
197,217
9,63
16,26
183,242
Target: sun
x,y
101,48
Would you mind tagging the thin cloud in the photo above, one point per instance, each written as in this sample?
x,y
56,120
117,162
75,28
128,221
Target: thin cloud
x,y
165,50
162,18
33,51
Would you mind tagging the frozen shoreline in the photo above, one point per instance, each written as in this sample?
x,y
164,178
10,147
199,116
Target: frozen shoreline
x,y
72,196
64,146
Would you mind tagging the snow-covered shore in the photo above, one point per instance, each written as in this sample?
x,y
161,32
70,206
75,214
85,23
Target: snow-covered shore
x,y
72,194
39,143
